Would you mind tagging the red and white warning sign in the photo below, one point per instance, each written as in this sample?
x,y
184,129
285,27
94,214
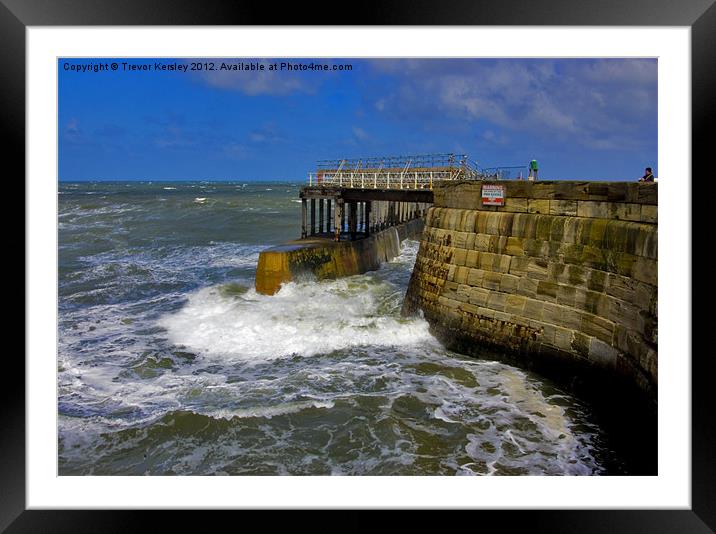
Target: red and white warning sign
x,y
493,195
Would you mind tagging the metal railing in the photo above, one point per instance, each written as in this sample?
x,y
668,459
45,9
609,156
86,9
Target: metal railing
x,y
395,163
394,172
517,172
421,179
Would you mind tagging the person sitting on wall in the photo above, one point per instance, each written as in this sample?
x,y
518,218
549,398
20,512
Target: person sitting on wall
x,y
648,175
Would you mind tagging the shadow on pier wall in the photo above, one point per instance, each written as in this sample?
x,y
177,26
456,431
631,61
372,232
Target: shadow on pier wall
x,y
323,258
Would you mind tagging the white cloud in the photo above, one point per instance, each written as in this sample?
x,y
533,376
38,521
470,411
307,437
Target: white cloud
x,y
597,103
360,134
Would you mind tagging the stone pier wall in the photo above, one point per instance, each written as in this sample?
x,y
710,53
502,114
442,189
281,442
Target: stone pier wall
x,y
564,271
322,258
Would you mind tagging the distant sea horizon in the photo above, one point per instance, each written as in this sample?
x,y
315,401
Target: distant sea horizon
x,y
146,180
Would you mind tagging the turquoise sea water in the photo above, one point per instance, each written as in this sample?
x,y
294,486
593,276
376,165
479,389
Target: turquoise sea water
x,y
170,363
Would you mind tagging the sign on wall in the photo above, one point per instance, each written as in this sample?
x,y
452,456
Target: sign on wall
x,y
493,195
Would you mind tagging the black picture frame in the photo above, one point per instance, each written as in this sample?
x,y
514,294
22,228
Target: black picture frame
x,y
699,15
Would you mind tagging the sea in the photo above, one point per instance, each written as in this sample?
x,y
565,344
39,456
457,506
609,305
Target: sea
x,y
170,363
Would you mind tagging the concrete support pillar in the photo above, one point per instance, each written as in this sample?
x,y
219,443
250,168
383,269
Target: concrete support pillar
x,y
338,219
303,218
343,218
353,222
313,216
320,216
328,215
368,207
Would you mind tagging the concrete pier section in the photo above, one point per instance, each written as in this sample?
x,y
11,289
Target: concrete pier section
x,y
323,258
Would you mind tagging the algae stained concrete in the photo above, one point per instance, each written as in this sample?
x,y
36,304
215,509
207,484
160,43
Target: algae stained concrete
x,y
322,258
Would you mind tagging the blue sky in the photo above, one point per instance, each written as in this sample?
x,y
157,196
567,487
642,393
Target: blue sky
x,y
593,119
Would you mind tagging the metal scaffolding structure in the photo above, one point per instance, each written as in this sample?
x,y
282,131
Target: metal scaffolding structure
x,y
394,172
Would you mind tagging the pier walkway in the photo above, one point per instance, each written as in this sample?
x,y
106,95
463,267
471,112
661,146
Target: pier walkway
x,y
350,199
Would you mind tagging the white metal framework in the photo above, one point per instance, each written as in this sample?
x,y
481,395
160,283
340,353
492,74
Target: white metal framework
x,y
394,172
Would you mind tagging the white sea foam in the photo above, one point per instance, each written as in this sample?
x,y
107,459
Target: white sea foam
x,y
301,319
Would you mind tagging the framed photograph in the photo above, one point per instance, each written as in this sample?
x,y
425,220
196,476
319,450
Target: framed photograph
x,y
407,264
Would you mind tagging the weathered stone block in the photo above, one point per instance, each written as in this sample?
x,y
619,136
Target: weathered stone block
x,y
597,280
515,205
527,287
486,312
471,260
475,277
460,239
602,353
563,207
563,338
493,223
470,242
623,313
491,280
459,256
646,241
566,295
547,290
502,263
597,229
478,296
570,230
538,269
448,302
533,309
547,333
515,304
592,209
470,309
486,260
496,301
468,221
482,242
508,283
581,343
537,206
514,246
460,274
598,327
645,270
519,265
649,214
519,221
532,247
552,313
502,316
544,227
626,212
